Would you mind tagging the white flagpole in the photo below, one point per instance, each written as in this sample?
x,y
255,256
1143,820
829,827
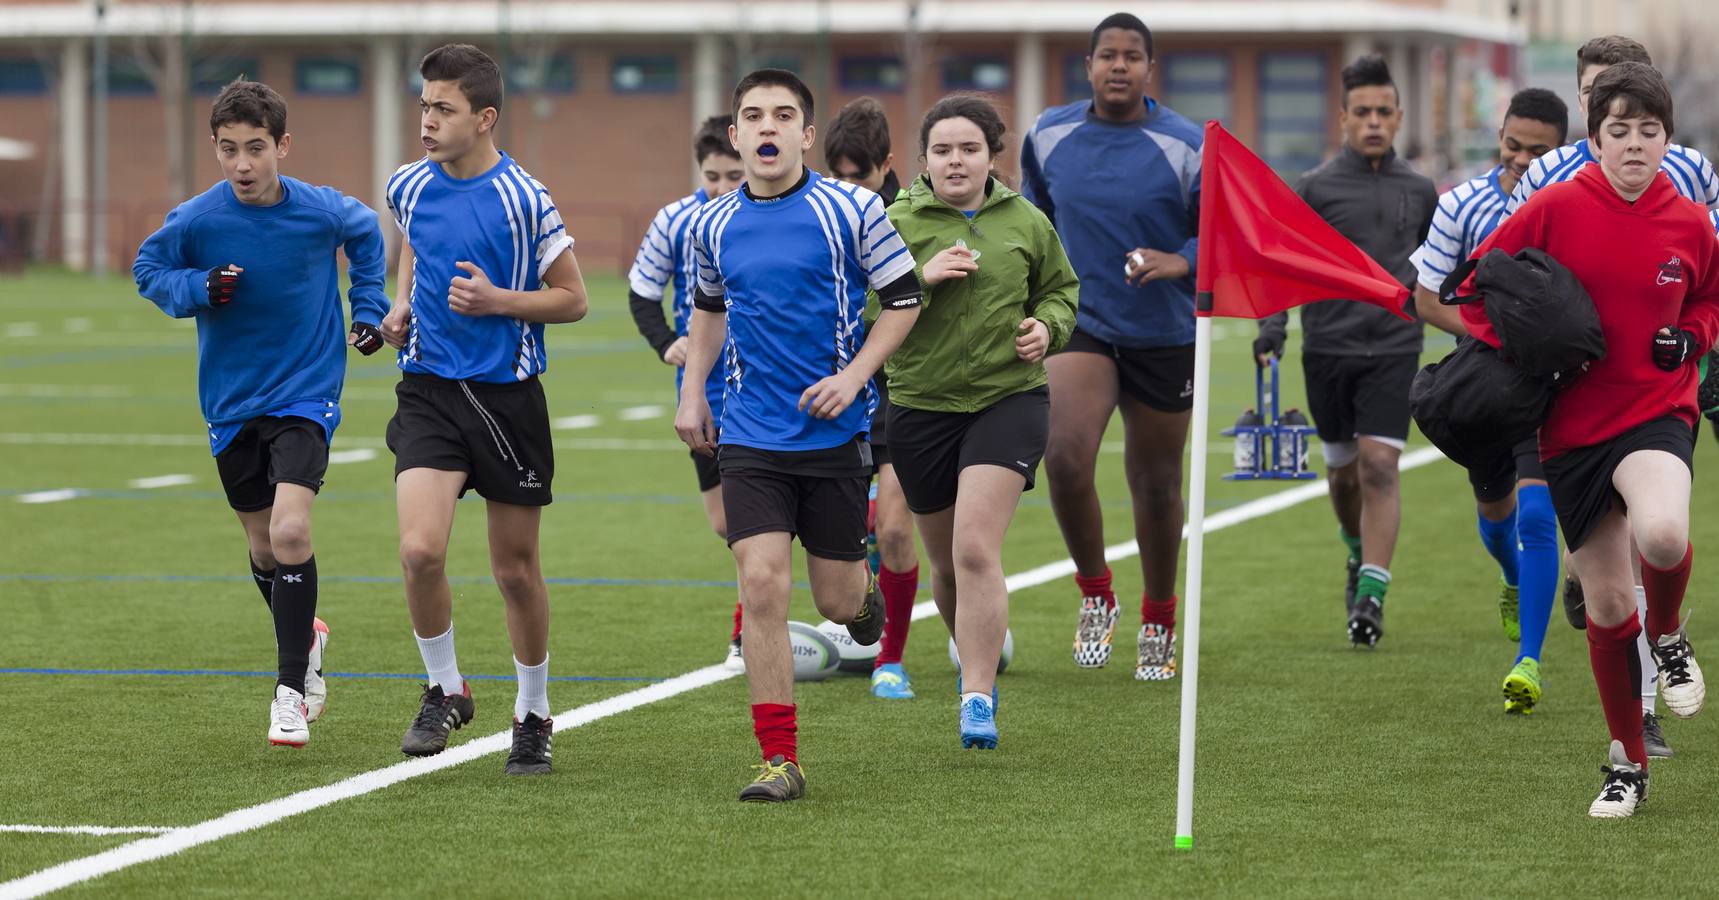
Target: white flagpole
x,y
1196,555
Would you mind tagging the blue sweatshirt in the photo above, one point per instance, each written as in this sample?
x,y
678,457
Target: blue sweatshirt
x,y
1110,187
279,347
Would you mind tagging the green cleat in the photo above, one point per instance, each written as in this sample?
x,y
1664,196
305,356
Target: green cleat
x,y
1522,688
1507,614
779,782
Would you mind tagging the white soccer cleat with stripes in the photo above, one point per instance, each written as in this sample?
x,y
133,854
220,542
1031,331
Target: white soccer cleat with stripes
x,y
1680,681
315,687
1625,788
287,725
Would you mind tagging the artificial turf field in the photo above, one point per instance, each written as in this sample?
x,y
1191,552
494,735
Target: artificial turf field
x,y
136,667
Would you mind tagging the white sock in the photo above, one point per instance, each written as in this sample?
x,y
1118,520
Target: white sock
x,y
968,695
1649,669
533,696
438,654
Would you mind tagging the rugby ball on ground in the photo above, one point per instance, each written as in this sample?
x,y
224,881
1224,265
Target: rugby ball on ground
x,y
856,658
815,656
1002,663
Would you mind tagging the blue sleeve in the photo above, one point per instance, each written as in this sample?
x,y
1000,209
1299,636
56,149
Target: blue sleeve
x,y
163,276
1033,185
366,261
1191,250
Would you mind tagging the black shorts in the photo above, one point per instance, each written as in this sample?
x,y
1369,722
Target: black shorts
x,y
818,496
1160,377
880,455
1495,482
1349,396
709,475
498,434
936,446
271,450
1581,480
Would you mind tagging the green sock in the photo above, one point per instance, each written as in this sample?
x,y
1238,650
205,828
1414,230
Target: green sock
x,y
1375,580
1352,542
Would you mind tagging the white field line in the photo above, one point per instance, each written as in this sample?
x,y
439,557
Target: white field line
x,y
642,413
576,422
23,330
161,481
98,830
81,391
239,821
54,496
79,325
360,454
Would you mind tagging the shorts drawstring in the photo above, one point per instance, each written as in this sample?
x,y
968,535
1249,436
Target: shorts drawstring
x,y
496,433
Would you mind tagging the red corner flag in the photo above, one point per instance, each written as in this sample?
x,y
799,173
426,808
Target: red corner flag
x,y
1264,250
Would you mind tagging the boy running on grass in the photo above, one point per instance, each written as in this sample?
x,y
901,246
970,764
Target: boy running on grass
x,y
253,260
783,268
665,256
485,263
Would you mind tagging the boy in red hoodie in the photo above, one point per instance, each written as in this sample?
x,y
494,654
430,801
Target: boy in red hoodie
x,y
1621,437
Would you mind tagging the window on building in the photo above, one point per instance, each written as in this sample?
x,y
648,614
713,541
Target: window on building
x,y
1075,85
977,73
1197,85
22,77
209,76
551,74
126,78
872,73
327,76
1294,111
644,74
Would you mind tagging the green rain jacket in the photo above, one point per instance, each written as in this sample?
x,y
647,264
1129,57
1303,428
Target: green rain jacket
x,y
960,355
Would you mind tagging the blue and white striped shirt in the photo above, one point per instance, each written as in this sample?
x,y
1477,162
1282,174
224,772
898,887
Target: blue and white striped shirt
x,y
664,258
793,271
1689,171
1466,214
503,222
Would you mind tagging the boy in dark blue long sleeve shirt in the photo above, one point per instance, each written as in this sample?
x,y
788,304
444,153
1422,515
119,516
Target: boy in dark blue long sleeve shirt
x,y
253,260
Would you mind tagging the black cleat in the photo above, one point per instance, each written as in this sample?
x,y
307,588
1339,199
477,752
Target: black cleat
x,y
1575,604
439,715
1351,584
867,627
1366,622
779,782
532,740
1654,737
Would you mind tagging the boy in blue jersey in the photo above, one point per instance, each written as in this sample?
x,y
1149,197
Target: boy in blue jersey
x,y
1517,524
484,264
783,268
253,259
1120,178
665,257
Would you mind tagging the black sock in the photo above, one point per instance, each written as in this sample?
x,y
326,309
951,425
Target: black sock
x,y
265,579
294,607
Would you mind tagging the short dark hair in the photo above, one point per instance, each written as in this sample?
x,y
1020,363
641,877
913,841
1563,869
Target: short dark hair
x,y
1641,88
1609,51
1126,22
244,102
971,107
1368,71
712,139
859,134
1541,105
775,78
478,76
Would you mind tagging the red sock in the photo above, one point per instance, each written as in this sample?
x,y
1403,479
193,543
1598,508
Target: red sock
x,y
1096,587
1617,673
1158,612
899,589
773,723
735,636
1665,593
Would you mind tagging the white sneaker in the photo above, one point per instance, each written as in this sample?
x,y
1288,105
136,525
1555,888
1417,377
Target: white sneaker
x,y
315,688
1157,654
1680,681
1092,636
287,727
1624,790
735,661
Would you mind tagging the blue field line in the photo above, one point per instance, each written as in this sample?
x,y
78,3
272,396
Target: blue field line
x,y
369,579
234,673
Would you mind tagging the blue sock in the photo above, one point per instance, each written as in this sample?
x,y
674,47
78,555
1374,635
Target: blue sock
x,y
1538,525
1500,541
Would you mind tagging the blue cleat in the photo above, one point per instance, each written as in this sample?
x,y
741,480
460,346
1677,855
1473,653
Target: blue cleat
x,y
889,682
978,725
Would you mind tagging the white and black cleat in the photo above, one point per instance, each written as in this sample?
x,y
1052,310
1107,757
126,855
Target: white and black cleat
x,y
1366,622
287,725
1625,788
736,659
315,686
438,715
1680,681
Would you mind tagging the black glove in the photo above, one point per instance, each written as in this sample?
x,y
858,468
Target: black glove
x,y
1671,351
366,338
1267,343
221,283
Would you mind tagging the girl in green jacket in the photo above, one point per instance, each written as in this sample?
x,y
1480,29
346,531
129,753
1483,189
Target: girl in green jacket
x,y
969,408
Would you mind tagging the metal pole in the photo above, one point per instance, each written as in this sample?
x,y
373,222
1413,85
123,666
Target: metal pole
x,y
1196,559
98,138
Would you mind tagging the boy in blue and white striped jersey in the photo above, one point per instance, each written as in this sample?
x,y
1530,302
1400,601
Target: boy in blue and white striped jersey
x,y
485,263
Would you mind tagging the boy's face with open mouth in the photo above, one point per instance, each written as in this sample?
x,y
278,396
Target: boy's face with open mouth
x,y
771,134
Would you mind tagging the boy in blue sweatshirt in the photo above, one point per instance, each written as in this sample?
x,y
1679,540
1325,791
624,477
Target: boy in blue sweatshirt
x,y
253,260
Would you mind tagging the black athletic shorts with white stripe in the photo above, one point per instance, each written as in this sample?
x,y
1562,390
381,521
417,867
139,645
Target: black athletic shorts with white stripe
x,y
498,434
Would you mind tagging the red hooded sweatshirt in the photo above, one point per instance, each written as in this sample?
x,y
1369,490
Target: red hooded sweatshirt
x,y
1647,264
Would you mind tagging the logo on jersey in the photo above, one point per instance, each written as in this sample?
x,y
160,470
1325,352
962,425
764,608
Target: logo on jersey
x,y
1670,272
531,479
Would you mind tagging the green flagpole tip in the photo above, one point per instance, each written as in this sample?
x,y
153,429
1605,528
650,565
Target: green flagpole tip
x,y
1184,842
